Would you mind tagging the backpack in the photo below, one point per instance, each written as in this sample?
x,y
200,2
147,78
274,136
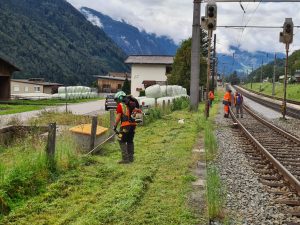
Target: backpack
x,y
239,99
134,108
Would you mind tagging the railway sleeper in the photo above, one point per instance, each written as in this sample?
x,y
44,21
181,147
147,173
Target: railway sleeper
x,y
271,184
270,177
289,202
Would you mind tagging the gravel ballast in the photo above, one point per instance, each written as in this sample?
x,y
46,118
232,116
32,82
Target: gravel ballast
x,y
248,201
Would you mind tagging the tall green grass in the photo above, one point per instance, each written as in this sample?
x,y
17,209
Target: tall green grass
x,y
214,188
24,169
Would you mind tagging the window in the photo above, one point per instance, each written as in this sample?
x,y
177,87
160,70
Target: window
x,y
26,89
119,86
37,89
16,89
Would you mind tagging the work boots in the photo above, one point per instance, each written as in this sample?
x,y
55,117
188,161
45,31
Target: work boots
x,y
130,150
124,152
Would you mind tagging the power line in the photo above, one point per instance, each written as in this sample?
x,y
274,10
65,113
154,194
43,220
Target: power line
x,y
246,26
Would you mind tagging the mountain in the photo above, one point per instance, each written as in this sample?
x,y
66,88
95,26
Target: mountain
x,y
53,40
268,70
129,38
243,61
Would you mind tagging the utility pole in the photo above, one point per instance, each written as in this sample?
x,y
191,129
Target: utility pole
x,y
214,65
208,74
252,77
261,74
195,57
273,87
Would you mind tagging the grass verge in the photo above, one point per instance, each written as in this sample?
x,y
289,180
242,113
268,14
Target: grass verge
x,y
152,190
293,90
214,188
12,109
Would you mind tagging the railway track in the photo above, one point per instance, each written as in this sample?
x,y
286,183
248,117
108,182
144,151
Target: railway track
x,y
272,97
276,156
290,111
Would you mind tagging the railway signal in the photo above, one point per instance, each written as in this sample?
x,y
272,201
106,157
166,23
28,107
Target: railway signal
x,y
286,37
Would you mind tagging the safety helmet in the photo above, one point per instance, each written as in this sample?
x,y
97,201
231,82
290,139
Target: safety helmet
x,y
119,96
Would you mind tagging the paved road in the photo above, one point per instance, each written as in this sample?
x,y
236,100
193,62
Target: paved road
x,y
87,108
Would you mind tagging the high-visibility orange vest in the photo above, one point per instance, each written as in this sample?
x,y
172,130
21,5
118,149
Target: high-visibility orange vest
x,y
125,118
211,95
227,96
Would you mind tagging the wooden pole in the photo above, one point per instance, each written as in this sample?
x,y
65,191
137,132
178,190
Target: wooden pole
x,y
112,122
93,132
164,105
50,148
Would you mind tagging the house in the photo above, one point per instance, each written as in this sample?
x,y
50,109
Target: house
x,y
33,85
281,78
297,76
6,71
112,82
147,70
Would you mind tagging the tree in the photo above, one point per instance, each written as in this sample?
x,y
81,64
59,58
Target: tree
x,y
233,78
181,70
126,87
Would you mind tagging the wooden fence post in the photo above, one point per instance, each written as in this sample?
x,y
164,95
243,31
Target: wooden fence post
x,y
112,122
155,102
164,105
93,132
169,102
50,148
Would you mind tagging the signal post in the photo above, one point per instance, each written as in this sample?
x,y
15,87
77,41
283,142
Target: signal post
x,y
209,23
286,37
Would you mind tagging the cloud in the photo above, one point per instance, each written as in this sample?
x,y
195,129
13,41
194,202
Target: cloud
x,y
93,19
174,19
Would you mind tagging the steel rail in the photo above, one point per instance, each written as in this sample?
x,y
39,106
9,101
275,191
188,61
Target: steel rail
x,y
268,124
277,107
293,181
270,96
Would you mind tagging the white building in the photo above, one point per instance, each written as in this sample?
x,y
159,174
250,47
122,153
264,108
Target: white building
x,y
148,70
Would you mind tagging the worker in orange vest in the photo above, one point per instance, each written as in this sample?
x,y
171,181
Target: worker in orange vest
x,y
127,129
227,103
211,97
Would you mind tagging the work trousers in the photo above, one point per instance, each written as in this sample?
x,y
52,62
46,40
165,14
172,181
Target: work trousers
x,y
239,110
127,134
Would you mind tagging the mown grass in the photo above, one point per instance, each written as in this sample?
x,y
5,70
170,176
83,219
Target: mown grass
x,y
18,106
12,109
152,190
293,90
51,102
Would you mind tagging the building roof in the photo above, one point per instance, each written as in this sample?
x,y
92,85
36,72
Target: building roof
x,y
9,64
150,59
112,78
36,82
117,74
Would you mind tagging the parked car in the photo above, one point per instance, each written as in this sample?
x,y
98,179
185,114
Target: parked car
x,y
110,103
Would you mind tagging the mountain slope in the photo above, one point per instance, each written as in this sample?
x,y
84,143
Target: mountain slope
x,y
129,38
243,61
51,39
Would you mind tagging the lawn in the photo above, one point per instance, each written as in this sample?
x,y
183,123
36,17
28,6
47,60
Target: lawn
x,y
11,109
18,106
293,90
152,190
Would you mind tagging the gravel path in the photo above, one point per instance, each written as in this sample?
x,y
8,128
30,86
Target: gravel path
x,y
248,202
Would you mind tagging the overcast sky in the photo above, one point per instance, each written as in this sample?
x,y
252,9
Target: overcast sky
x,y
174,19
